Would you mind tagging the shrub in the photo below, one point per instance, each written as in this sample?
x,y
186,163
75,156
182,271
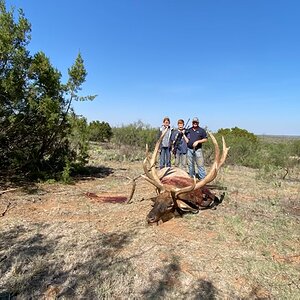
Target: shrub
x,y
100,131
243,146
273,159
136,135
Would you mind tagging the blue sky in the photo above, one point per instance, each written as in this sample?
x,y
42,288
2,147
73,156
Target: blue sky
x,y
228,62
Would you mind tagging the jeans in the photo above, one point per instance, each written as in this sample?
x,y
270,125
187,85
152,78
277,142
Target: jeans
x,y
196,158
165,157
180,161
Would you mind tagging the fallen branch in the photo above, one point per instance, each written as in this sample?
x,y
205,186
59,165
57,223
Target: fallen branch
x,y
6,209
6,191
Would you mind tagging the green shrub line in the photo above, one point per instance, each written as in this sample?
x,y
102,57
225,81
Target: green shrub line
x,y
273,158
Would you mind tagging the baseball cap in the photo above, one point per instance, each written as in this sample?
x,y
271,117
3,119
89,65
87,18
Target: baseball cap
x,y
195,120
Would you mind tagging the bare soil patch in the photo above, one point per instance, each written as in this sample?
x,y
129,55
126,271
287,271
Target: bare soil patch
x,y
67,242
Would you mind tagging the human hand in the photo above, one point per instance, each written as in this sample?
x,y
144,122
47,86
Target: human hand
x,y
195,144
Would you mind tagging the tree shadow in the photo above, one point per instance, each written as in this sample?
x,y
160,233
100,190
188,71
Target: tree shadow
x,y
80,173
160,288
92,172
168,284
31,262
9,183
103,265
34,262
16,253
204,289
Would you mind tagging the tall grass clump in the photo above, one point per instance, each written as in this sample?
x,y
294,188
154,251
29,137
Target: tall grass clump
x,y
278,159
131,139
136,135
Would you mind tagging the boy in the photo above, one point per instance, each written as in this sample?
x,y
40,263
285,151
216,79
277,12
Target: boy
x,y
179,146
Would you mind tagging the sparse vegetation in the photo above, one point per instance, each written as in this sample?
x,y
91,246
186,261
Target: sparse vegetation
x,y
57,242
274,159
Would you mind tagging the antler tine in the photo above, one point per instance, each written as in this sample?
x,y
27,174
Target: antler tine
x,y
217,148
149,176
215,167
225,150
147,152
147,158
185,189
146,168
150,172
132,190
154,156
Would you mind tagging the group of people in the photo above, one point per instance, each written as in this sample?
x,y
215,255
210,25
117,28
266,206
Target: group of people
x,y
186,146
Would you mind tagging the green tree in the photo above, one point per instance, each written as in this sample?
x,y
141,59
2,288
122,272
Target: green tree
x,y
243,146
100,131
34,104
238,133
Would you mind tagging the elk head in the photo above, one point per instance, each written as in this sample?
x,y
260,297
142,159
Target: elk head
x,y
169,196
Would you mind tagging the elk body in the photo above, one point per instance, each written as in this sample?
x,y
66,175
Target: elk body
x,y
176,191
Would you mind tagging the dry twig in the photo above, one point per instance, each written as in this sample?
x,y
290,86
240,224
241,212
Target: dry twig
x,y
6,209
6,191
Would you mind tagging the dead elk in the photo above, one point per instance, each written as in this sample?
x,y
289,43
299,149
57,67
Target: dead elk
x,y
176,191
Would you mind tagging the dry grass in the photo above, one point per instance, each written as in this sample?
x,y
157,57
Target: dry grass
x,y
56,243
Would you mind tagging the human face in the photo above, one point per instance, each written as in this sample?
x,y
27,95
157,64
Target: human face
x,y
195,124
166,123
180,126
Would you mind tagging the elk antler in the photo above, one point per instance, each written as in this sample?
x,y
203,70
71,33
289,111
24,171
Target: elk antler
x,y
152,176
224,153
185,189
149,165
218,162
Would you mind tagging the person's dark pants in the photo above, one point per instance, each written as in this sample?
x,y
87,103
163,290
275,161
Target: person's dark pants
x,y
165,157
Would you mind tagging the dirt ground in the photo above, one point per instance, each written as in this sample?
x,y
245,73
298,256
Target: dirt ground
x,y
64,242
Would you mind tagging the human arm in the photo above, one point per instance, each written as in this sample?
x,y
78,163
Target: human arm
x,y
196,143
185,137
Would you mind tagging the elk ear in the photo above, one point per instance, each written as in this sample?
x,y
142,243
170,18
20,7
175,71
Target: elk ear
x,y
185,207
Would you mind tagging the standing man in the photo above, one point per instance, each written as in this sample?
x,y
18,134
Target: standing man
x,y
179,146
195,137
165,146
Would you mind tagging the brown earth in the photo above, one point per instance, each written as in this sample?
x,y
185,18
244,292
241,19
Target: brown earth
x,y
65,242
